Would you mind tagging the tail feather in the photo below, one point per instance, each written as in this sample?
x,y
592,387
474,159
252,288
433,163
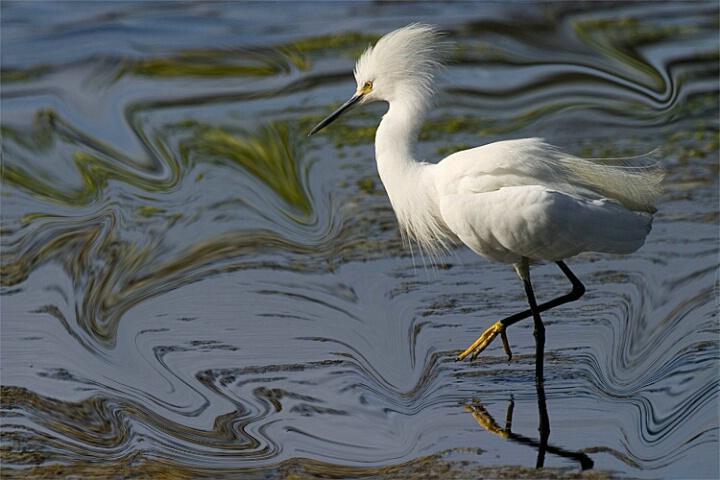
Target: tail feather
x,y
635,181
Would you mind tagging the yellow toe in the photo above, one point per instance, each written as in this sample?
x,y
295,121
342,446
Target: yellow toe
x,y
486,339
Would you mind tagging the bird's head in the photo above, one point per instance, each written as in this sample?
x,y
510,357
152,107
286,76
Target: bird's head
x,y
400,67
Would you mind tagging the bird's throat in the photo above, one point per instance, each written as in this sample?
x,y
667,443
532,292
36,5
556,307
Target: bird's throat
x,y
410,189
395,141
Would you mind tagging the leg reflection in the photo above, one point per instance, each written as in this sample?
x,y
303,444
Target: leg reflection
x,y
488,423
544,426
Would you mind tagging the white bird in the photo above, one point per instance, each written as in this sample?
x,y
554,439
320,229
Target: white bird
x,y
518,202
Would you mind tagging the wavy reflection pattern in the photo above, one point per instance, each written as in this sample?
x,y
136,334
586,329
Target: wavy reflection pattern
x,y
188,283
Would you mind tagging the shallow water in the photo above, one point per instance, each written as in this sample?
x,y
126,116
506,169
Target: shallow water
x,y
191,286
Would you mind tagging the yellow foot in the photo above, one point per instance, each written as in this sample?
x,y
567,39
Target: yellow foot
x,y
486,339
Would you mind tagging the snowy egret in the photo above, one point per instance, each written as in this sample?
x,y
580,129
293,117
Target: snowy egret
x,y
518,202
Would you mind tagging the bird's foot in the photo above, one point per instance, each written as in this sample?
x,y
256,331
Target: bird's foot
x,y
486,339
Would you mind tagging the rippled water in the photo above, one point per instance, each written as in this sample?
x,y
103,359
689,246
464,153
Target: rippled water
x,y
191,286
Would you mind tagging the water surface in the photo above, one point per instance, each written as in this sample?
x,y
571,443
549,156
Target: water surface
x,y
192,287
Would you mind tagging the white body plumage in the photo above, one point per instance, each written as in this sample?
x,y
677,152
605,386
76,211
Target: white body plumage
x,y
520,198
506,200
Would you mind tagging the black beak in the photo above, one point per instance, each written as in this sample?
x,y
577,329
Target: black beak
x,y
333,116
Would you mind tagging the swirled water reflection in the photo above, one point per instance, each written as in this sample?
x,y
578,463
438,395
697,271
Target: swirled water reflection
x,y
189,282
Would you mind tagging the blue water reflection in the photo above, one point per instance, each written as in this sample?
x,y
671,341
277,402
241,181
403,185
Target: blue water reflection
x,y
189,281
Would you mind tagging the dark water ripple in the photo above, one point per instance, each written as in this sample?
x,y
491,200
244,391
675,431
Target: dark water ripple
x,y
192,287
610,64
660,372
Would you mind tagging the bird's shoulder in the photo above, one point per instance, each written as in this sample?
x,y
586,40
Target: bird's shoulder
x,y
527,161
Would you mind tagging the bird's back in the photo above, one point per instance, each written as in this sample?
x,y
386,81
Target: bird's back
x,y
633,182
525,198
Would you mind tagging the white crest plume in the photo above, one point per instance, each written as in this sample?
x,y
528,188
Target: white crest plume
x,y
406,60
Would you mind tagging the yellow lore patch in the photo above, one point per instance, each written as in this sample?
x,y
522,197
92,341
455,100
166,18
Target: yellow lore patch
x,y
365,89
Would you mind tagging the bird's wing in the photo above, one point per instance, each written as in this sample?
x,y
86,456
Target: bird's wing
x,y
495,165
540,223
633,182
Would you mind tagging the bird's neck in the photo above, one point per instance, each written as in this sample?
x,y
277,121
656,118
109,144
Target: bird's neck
x,y
395,140
407,181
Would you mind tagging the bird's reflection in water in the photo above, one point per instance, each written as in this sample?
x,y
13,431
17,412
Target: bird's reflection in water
x,y
488,423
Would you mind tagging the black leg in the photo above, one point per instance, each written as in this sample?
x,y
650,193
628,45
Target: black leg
x,y
578,290
523,270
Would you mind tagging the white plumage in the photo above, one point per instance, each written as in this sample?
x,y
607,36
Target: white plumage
x,y
527,199
515,201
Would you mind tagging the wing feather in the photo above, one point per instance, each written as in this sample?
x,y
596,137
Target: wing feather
x,y
541,223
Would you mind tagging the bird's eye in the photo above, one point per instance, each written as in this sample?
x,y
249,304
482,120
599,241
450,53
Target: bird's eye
x,y
367,87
